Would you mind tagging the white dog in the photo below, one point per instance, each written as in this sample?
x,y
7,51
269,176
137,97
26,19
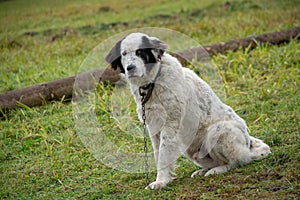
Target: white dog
x,y
183,115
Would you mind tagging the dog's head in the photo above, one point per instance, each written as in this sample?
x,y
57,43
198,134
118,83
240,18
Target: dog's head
x,y
137,55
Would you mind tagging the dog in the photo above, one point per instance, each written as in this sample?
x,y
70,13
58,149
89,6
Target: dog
x,y
183,114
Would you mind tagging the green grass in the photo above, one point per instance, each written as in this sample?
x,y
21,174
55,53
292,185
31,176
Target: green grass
x,y
41,154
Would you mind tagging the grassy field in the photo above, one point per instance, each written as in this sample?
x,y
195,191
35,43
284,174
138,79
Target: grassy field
x,y
42,157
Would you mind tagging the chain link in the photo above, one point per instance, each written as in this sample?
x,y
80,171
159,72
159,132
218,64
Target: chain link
x,y
144,98
145,145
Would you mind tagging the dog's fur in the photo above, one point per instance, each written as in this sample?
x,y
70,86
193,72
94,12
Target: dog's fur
x,y
183,115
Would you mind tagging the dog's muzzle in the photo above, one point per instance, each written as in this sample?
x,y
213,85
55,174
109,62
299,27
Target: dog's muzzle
x,y
131,67
132,71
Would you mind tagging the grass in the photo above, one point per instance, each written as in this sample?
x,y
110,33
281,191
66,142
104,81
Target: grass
x,y
41,154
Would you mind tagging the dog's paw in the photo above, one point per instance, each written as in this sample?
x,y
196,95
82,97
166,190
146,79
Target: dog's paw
x,y
156,185
218,170
200,172
211,172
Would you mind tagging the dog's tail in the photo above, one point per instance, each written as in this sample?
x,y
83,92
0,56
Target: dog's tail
x,y
258,148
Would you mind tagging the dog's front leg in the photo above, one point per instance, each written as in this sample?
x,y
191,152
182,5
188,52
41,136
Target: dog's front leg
x,y
167,156
155,140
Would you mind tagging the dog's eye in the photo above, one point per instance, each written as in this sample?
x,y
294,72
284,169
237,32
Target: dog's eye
x,y
124,53
142,53
138,52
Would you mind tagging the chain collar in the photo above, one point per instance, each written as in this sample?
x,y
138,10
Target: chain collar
x,y
145,91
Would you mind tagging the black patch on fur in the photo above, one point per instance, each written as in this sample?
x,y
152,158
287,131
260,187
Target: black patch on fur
x,y
155,45
114,57
146,55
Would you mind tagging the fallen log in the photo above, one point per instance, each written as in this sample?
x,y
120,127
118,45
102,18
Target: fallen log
x,y
61,89
273,38
58,90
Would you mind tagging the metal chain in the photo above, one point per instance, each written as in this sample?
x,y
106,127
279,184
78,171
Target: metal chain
x,y
145,145
145,92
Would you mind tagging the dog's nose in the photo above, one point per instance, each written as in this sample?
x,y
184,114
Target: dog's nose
x,y
131,67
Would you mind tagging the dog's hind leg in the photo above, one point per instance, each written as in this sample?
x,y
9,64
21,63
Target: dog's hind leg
x,y
206,163
234,147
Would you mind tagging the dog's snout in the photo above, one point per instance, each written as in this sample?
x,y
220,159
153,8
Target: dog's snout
x,y
131,67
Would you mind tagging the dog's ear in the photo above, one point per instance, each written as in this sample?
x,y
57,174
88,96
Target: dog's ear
x,y
154,43
114,57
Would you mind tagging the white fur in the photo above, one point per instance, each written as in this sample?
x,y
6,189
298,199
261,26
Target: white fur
x,y
185,117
